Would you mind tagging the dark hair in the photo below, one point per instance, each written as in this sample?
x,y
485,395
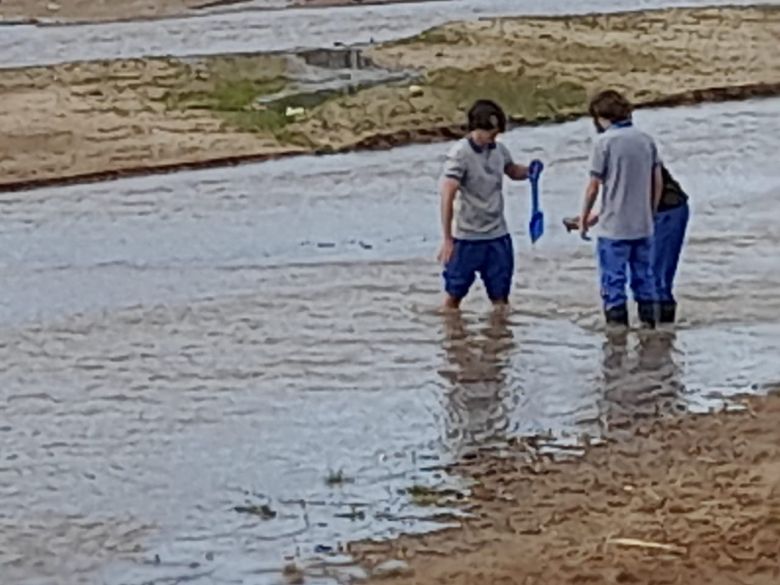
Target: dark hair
x,y
486,115
610,105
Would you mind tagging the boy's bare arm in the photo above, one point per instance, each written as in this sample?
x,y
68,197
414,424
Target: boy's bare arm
x,y
591,195
449,188
516,172
658,187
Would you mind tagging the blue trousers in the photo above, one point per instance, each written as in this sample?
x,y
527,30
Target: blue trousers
x,y
670,226
616,258
493,259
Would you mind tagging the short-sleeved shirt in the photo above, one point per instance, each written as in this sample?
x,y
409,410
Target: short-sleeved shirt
x,y
479,205
624,159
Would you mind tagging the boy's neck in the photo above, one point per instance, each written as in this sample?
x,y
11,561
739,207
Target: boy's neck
x,y
480,142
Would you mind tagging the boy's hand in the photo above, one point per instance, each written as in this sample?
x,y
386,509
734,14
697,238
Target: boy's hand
x,y
446,250
535,169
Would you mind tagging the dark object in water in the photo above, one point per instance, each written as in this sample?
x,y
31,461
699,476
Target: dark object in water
x,y
264,511
571,223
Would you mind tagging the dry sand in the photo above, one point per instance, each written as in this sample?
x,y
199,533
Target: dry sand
x,y
694,500
95,119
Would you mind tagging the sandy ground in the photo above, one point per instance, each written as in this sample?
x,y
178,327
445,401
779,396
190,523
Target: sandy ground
x,y
84,119
690,500
81,119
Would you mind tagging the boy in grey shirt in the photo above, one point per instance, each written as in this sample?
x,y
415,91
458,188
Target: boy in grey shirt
x,y
626,169
472,196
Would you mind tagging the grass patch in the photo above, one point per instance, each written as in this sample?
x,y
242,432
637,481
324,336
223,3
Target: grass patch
x,y
523,97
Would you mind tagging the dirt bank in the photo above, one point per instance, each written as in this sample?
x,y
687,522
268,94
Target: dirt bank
x,y
88,120
688,500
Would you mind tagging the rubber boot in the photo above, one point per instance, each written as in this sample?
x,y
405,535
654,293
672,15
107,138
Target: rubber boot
x,y
648,314
668,312
617,316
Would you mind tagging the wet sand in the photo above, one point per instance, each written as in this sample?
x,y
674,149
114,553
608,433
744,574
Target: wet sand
x,y
99,120
692,500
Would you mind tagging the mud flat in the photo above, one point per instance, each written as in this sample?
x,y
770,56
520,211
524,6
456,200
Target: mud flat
x,y
97,120
693,500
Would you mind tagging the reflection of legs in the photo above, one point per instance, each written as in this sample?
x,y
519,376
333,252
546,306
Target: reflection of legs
x,y
670,227
639,386
642,280
476,374
613,257
656,364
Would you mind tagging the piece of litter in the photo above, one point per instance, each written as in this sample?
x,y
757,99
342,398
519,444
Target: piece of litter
x,y
416,90
647,544
291,112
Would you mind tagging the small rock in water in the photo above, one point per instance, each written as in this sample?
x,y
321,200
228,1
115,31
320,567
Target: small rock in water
x,y
364,245
293,574
392,568
326,245
323,549
265,512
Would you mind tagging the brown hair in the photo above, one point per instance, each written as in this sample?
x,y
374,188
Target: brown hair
x,y
486,115
610,105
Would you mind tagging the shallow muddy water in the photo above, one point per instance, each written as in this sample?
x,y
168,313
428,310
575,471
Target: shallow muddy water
x,y
284,30
175,346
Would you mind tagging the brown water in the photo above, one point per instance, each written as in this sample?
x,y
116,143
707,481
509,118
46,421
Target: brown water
x,y
243,28
175,346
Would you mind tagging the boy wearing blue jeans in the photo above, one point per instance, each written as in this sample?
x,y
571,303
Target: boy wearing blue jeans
x,y
473,178
625,167
671,222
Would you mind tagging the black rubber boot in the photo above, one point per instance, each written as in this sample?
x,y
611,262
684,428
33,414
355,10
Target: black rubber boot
x,y
617,316
648,314
668,312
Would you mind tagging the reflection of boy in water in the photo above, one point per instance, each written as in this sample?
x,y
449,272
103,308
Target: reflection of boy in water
x,y
475,407
641,386
480,241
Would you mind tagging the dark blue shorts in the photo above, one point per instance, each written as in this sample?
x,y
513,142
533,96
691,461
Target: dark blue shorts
x,y
494,260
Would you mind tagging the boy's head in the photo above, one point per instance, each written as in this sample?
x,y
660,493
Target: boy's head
x,y
486,121
609,107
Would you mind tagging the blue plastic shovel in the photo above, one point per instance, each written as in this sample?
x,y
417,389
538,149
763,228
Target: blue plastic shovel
x,y
536,225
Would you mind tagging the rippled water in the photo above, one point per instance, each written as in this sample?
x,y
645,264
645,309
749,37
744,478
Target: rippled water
x,y
175,346
258,30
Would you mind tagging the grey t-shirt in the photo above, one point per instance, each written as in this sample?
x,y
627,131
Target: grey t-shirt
x,y
623,159
479,205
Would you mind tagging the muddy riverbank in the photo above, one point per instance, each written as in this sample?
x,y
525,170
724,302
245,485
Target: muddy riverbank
x,y
103,119
693,499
